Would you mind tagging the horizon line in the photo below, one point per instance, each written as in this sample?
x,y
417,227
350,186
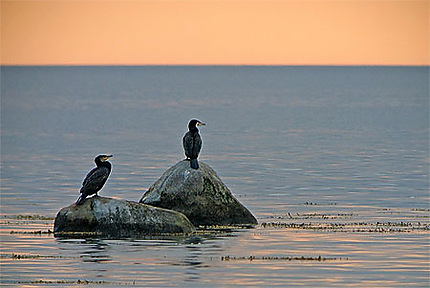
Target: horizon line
x,y
214,65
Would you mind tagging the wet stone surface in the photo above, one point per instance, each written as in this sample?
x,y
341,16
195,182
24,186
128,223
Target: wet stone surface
x,y
118,218
199,194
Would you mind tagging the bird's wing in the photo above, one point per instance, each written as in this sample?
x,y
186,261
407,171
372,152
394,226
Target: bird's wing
x,y
197,144
187,142
89,176
96,178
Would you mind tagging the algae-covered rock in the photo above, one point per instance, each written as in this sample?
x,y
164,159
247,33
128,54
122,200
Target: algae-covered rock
x,y
199,194
118,218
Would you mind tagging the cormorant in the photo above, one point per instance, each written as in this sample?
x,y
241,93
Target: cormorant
x,y
193,143
96,178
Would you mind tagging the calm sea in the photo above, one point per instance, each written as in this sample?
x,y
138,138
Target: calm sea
x,y
333,162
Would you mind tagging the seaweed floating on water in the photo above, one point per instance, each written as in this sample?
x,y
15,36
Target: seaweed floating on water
x,y
377,227
28,217
79,281
38,232
313,216
319,204
29,256
280,258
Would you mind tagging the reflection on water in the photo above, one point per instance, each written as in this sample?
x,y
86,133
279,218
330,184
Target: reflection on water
x,y
271,254
333,162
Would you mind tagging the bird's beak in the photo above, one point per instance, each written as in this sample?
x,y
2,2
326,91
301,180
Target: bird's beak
x,y
201,124
107,157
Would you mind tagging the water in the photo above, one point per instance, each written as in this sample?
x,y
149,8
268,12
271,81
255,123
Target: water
x,y
333,162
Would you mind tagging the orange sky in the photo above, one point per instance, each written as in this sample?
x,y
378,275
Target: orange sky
x,y
234,32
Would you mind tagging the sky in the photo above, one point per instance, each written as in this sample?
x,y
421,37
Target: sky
x,y
214,32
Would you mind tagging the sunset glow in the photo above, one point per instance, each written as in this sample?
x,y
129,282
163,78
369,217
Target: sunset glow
x,y
211,32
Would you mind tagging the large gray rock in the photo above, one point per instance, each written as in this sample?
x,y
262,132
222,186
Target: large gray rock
x,y
199,194
118,218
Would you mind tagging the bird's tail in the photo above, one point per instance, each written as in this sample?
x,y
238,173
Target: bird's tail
x,y
194,163
81,199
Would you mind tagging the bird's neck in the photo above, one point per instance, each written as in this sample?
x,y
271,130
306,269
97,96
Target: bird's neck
x,y
193,130
103,164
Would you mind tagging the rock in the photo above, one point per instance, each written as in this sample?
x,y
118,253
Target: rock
x,y
199,194
118,218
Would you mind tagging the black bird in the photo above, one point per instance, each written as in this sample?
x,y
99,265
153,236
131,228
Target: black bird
x,y
192,143
96,178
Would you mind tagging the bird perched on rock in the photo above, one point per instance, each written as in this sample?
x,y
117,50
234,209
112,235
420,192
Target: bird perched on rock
x,y
96,178
192,142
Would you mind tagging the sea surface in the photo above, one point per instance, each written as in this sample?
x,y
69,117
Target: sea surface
x,y
332,161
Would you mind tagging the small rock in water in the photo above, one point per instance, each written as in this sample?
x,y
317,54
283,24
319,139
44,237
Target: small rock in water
x,y
199,194
119,218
